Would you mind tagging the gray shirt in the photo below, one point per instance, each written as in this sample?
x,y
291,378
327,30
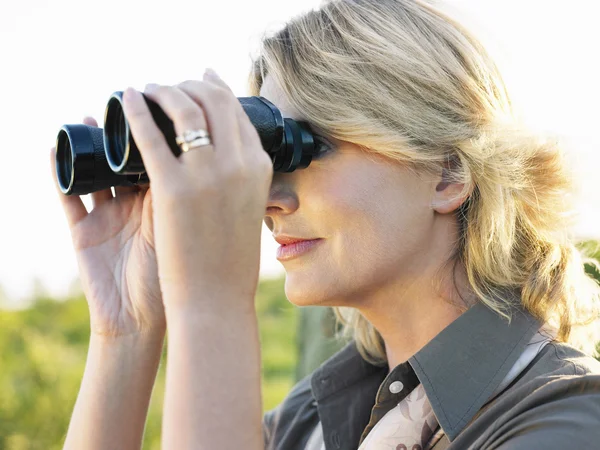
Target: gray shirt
x,y
554,403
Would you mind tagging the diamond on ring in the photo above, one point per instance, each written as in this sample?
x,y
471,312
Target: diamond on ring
x,y
191,135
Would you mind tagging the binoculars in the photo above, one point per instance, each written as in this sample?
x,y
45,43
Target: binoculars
x,y
90,159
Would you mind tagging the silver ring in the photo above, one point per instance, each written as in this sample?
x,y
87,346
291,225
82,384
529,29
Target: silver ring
x,y
190,135
193,139
186,146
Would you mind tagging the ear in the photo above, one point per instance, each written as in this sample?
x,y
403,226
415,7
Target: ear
x,y
446,196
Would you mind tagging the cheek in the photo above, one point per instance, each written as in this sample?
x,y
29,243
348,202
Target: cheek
x,y
356,222
375,221
374,204
374,224
342,201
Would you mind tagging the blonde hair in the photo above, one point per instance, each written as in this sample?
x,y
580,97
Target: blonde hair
x,y
402,79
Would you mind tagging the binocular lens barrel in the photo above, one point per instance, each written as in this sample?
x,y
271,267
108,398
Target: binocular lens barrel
x,y
81,165
64,157
117,134
121,150
90,159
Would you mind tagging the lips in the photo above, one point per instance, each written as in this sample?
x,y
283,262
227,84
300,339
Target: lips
x,y
288,240
297,249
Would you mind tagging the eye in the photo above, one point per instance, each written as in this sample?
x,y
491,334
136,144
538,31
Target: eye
x,y
322,146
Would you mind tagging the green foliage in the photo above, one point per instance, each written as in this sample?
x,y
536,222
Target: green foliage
x,y
277,321
43,351
591,253
42,355
42,358
591,250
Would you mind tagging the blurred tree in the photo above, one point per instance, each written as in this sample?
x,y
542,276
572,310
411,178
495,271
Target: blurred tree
x,y
42,358
316,340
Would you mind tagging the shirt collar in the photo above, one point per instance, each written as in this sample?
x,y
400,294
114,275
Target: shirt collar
x,y
459,368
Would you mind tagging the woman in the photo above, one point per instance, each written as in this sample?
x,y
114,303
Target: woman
x,y
441,238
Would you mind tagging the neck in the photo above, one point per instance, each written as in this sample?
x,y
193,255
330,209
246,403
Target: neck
x,y
419,312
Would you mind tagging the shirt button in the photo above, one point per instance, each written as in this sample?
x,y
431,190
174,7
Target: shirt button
x,y
396,387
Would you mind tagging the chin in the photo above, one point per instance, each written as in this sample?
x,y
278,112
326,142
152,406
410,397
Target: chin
x,y
310,291
299,296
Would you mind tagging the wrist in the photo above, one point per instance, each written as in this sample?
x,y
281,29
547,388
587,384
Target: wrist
x,y
130,339
215,306
131,349
115,392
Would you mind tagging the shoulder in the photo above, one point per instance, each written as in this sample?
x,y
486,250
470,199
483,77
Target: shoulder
x,y
555,360
560,372
565,355
563,413
555,405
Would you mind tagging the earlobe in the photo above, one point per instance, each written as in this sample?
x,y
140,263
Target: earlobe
x,y
447,197
447,194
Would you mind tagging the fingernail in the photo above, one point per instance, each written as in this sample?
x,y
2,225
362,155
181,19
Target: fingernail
x,y
150,87
212,74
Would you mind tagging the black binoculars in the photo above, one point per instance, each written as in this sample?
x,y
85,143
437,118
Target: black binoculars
x,y
90,159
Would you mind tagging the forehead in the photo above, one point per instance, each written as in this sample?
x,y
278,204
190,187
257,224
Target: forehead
x,y
272,92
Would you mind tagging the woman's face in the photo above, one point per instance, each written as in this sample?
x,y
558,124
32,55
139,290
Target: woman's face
x,y
374,217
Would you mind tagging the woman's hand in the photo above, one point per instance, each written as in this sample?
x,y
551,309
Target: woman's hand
x,y
209,202
114,247
208,208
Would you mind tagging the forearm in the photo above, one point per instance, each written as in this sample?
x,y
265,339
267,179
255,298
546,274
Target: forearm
x,y
213,396
111,408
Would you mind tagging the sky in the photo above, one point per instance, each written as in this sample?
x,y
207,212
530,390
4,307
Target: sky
x,y
61,60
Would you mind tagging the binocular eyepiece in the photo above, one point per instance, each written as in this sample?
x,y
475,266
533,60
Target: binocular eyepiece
x,y
90,159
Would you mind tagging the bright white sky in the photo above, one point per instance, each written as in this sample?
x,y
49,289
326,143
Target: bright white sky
x,y
61,60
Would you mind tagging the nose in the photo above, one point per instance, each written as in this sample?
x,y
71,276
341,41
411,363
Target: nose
x,y
283,200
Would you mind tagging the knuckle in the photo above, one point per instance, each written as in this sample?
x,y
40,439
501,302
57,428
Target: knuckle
x,y
266,166
219,96
262,161
189,114
188,84
264,172
161,89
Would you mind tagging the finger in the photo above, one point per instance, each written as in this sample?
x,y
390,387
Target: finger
x,y
186,115
126,190
123,191
156,154
212,76
248,131
90,121
219,106
72,205
101,197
